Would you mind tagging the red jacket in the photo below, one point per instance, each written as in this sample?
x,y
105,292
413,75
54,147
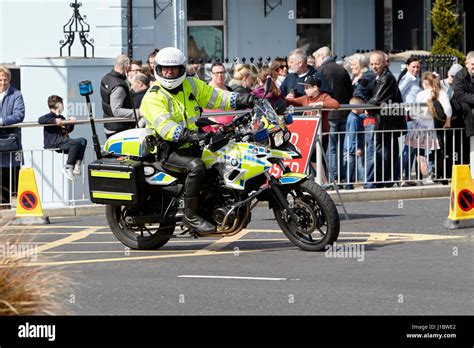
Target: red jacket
x,y
328,102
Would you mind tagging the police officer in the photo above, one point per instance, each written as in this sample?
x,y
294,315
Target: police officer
x,y
171,107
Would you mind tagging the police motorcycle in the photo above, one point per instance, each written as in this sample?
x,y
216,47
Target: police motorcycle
x,y
145,200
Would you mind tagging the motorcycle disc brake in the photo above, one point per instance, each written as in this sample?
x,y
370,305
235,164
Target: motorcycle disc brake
x,y
307,217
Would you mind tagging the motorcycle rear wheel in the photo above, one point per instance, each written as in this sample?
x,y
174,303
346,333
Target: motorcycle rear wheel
x,y
139,237
319,215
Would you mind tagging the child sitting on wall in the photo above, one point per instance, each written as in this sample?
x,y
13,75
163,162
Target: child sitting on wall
x,y
58,137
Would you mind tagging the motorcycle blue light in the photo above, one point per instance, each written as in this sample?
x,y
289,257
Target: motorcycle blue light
x,y
261,135
85,88
288,118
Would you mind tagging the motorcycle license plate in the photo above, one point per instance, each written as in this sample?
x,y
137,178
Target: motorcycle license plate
x,y
278,138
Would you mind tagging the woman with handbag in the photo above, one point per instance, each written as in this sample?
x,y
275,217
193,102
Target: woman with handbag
x,y
12,110
423,138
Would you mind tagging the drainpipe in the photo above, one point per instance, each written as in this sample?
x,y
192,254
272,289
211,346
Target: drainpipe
x,y
175,24
179,25
130,28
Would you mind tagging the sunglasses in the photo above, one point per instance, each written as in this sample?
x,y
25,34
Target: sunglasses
x,y
283,66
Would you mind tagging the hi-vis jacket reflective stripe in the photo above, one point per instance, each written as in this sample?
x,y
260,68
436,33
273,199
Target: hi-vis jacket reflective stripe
x,y
169,114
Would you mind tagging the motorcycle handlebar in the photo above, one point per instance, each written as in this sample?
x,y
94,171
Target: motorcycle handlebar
x,y
230,130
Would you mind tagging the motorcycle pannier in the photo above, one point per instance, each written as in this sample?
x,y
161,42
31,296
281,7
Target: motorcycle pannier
x,y
116,182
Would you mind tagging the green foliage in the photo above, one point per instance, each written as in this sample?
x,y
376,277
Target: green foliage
x,y
447,27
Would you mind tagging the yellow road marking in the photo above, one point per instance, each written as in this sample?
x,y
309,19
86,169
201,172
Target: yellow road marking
x,y
375,238
49,227
110,251
73,237
191,241
52,234
222,243
215,246
171,241
261,230
218,244
135,258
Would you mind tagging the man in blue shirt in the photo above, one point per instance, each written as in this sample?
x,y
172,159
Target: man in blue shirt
x,y
12,110
409,85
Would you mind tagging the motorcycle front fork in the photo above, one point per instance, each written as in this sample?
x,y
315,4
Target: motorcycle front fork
x,y
280,197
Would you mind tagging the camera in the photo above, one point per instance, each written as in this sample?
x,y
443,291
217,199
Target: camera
x,y
85,88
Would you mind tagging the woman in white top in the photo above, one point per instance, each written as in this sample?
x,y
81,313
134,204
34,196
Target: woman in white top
x,y
423,138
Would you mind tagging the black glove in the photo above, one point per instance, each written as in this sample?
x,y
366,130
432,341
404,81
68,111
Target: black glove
x,y
245,101
189,136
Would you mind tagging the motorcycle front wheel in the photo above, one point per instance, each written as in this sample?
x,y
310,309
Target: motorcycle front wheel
x,y
137,236
319,223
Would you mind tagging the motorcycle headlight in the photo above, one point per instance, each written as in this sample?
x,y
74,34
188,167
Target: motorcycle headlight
x,y
278,138
257,124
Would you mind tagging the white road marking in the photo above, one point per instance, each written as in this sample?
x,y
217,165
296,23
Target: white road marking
x,y
229,277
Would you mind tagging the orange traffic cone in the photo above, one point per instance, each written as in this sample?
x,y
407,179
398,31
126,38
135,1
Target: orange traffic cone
x,y
28,209
461,201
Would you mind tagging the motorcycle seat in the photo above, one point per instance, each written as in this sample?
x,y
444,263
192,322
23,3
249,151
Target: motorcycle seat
x,y
169,169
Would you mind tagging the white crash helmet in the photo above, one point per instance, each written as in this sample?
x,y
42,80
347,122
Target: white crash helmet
x,y
170,56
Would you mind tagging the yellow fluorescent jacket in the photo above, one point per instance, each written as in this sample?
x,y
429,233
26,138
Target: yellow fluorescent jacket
x,y
169,114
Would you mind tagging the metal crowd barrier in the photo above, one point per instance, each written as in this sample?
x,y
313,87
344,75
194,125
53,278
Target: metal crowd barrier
x,y
65,193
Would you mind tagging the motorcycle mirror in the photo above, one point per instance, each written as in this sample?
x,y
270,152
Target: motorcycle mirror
x,y
288,118
204,121
280,107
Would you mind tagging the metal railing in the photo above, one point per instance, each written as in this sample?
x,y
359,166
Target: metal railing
x,y
55,189
389,157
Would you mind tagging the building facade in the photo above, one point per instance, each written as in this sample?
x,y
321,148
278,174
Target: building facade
x,y
219,28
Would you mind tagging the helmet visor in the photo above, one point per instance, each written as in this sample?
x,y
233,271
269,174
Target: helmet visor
x,y
170,72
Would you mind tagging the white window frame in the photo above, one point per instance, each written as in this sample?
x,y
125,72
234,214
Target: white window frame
x,y
320,21
207,23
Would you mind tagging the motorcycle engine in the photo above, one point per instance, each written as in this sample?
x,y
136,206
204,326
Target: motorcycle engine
x,y
219,215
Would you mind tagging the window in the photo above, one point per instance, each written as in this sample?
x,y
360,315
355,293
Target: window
x,y
206,10
313,24
206,29
314,9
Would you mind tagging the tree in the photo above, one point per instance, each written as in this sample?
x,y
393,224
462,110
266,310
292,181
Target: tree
x,y
447,27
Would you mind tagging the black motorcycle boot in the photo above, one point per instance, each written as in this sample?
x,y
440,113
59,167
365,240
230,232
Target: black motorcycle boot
x,y
193,221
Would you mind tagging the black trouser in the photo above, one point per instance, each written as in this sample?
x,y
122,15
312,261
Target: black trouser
x,y
188,160
5,183
75,148
387,161
451,153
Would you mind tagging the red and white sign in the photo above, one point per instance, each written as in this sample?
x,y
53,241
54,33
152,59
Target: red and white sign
x,y
303,132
